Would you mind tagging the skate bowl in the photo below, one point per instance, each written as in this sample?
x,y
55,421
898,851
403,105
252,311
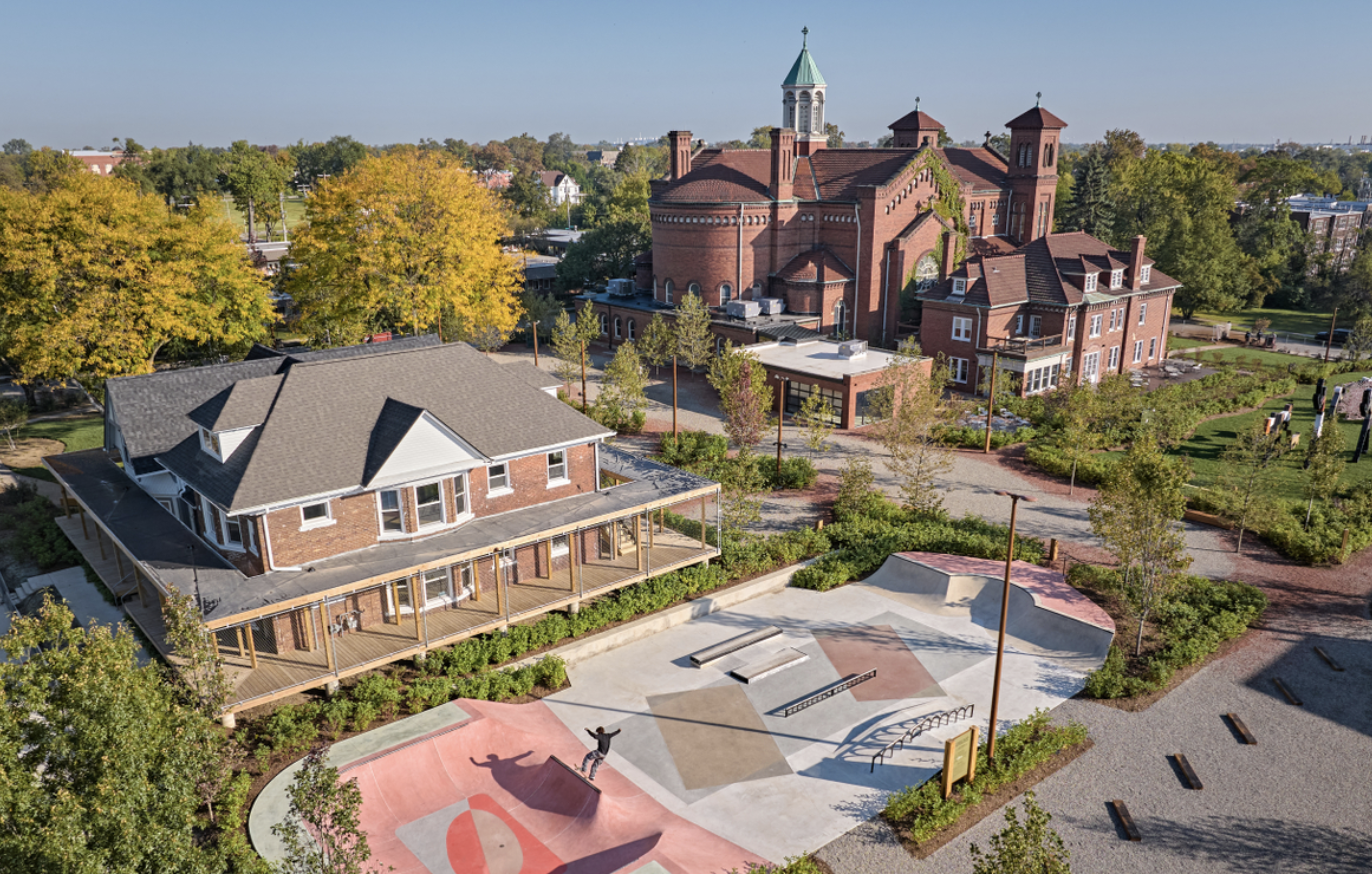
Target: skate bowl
x,y
1047,617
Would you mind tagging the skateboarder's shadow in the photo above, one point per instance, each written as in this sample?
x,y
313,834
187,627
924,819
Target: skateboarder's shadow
x,y
509,774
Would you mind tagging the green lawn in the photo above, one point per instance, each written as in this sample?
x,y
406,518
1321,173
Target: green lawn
x,y
1251,357
1175,343
1212,437
1283,321
83,432
295,216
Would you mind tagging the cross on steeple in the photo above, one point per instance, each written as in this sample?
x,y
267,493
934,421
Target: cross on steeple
x,y
804,37
916,104
1038,98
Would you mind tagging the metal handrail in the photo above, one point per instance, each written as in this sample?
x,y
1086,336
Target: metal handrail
x,y
935,720
829,692
1024,344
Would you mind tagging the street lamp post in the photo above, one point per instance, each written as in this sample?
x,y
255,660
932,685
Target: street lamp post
x,y
1004,610
781,414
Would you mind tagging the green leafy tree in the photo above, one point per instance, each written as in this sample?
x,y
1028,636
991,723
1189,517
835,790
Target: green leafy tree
x,y
1093,207
604,253
1325,467
13,416
910,406
1243,488
858,493
761,137
96,279
744,397
540,309
323,831
816,418
658,344
623,387
835,136
198,669
332,158
16,147
694,346
1028,847
1137,514
1074,409
530,203
181,175
100,763
570,338
256,179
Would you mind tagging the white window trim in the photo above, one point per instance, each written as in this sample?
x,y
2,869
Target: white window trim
x,y
1152,348
381,520
962,370
565,479
1145,273
1094,330
1143,312
311,524
962,329
1114,359
207,440
959,287
565,548
1090,283
443,521
1138,351
1117,278
507,489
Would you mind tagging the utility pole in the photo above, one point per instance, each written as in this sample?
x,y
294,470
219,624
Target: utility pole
x,y
1334,320
991,400
583,377
781,415
1004,609
285,232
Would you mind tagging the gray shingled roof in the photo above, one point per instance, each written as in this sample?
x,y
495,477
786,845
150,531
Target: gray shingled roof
x,y
334,422
534,376
154,409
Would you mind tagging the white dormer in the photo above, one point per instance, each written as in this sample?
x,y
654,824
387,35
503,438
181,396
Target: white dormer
x,y
959,287
428,449
1144,272
223,444
1090,284
1117,278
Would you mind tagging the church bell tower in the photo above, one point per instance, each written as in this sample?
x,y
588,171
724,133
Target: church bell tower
x,y
802,101
1033,172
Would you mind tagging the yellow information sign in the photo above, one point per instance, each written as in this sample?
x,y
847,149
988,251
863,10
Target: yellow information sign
x,y
959,759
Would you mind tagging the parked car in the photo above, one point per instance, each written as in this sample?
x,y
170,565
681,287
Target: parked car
x,y
1341,336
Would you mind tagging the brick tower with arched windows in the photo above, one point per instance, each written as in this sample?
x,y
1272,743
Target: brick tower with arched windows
x,y
1033,173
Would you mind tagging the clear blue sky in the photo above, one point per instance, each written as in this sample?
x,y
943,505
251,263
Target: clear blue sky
x,y
165,73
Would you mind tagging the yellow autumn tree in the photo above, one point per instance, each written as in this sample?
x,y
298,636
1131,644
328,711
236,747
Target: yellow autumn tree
x,y
407,240
95,278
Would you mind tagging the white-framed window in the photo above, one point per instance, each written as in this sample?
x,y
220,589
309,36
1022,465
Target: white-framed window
x,y
233,531
1114,321
1035,326
631,326
498,478
316,515
428,504
1090,282
1152,348
1138,351
1117,278
209,441
667,288
959,287
1114,358
1144,272
962,328
562,545
1095,325
1019,324
1072,326
1090,367
460,493
604,324
1143,312
1042,379
693,288
557,467
619,323
392,512
958,369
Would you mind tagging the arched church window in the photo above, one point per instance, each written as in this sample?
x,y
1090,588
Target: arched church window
x,y
926,273
631,329
604,324
667,288
1048,155
726,293
693,288
840,319
618,325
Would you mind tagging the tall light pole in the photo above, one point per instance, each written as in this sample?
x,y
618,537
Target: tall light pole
x,y
781,414
1004,610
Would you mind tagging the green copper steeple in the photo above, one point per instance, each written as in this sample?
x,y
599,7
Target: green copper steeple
x,y
804,71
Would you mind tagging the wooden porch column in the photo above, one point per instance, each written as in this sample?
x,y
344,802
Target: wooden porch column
x,y
395,602
702,523
571,561
66,503
138,581
252,649
499,585
118,563
578,557
309,623
549,553
82,514
415,589
100,541
242,651
650,529
328,635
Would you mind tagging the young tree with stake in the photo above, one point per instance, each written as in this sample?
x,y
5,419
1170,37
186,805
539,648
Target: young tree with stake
x,y
1243,485
323,830
910,405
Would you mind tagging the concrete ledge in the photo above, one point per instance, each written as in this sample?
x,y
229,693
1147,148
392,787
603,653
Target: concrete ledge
x,y
733,645
780,662
605,641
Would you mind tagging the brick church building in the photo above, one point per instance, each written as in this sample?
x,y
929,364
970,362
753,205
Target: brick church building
x,y
832,236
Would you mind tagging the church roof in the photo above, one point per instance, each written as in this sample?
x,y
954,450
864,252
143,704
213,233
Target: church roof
x,y
804,71
917,120
723,176
816,265
1038,117
982,169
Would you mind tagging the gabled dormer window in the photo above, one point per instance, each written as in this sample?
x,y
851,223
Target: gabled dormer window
x,y
1144,272
1090,282
959,287
209,441
1117,278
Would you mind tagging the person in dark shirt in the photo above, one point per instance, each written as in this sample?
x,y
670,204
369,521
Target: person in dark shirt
x,y
597,755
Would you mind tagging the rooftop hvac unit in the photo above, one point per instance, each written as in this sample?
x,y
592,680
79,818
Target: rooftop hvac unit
x,y
742,309
853,349
772,306
622,287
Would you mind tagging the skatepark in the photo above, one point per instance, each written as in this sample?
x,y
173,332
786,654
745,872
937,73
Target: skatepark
x,y
778,736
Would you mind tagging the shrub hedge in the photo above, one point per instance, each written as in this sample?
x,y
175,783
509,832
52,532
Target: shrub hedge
x,y
1202,615
707,455
1322,542
975,438
922,811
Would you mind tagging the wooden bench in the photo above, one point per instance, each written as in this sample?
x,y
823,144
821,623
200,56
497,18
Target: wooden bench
x,y
733,645
787,658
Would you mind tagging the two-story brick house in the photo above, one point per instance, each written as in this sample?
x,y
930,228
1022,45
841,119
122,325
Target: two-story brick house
x,y
336,510
1065,306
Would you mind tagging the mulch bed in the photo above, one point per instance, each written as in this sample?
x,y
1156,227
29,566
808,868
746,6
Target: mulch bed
x,y
991,802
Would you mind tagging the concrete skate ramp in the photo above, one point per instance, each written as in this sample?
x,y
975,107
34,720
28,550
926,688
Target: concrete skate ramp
x,y
1047,617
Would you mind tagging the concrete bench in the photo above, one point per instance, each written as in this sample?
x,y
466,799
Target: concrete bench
x,y
781,661
733,645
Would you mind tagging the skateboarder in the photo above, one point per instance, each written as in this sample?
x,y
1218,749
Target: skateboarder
x,y
597,755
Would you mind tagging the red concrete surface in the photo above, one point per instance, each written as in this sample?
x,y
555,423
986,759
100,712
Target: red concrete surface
x,y
899,675
1047,587
500,762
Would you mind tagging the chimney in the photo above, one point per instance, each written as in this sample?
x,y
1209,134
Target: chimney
x,y
950,253
1136,260
680,141
783,163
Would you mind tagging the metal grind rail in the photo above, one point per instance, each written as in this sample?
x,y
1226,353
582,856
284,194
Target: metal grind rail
x,y
829,692
935,720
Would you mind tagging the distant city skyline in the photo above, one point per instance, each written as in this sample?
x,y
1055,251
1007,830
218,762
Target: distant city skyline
x,y
79,74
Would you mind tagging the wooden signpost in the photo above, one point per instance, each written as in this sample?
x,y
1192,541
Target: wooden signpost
x,y
959,759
